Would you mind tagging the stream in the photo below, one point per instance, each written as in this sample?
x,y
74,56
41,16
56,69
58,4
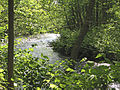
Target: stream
x,y
41,43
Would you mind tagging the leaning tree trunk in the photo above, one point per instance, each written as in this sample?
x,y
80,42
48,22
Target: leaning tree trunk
x,y
84,30
10,44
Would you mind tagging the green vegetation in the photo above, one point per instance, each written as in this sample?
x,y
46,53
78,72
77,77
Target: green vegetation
x,y
89,33
38,73
32,17
102,35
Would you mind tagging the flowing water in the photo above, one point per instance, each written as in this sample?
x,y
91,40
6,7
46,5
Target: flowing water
x,y
41,43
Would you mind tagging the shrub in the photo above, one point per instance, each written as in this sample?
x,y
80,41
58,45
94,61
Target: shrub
x,y
65,42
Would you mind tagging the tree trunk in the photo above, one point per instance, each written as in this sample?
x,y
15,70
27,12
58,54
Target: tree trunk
x,y
84,30
76,48
10,43
97,13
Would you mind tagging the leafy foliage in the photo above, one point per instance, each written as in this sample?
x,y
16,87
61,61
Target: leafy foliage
x,y
30,70
103,36
32,17
67,16
37,72
65,42
2,79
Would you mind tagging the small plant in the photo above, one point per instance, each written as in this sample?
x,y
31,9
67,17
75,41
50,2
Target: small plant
x,y
2,79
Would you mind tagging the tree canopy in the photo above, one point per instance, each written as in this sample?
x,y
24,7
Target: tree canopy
x,y
89,34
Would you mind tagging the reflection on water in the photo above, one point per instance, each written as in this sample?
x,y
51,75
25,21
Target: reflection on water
x,y
41,41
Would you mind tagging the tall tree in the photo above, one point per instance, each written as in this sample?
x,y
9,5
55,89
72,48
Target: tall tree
x,y
84,29
10,43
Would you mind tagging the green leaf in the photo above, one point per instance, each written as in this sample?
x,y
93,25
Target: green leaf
x,y
24,86
38,88
46,57
57,80
99,55
41,54
83,70
62,85
1,28
47,81
20,79
90,63
1,70
84,59
31,49
69,69
49,73
53,86
1,76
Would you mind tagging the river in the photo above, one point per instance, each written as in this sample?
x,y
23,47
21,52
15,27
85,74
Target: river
x,y
42,46
41,43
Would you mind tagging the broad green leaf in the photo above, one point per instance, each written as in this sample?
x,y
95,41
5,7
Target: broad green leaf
x,y
1,70
53,86
99,55
69,69
1,75
83,70
1,28
38,88
57,80
62,85
24,86
47,81
19,79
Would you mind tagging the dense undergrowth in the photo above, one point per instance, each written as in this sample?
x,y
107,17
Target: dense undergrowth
x,y
101,44
36,73
103,39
